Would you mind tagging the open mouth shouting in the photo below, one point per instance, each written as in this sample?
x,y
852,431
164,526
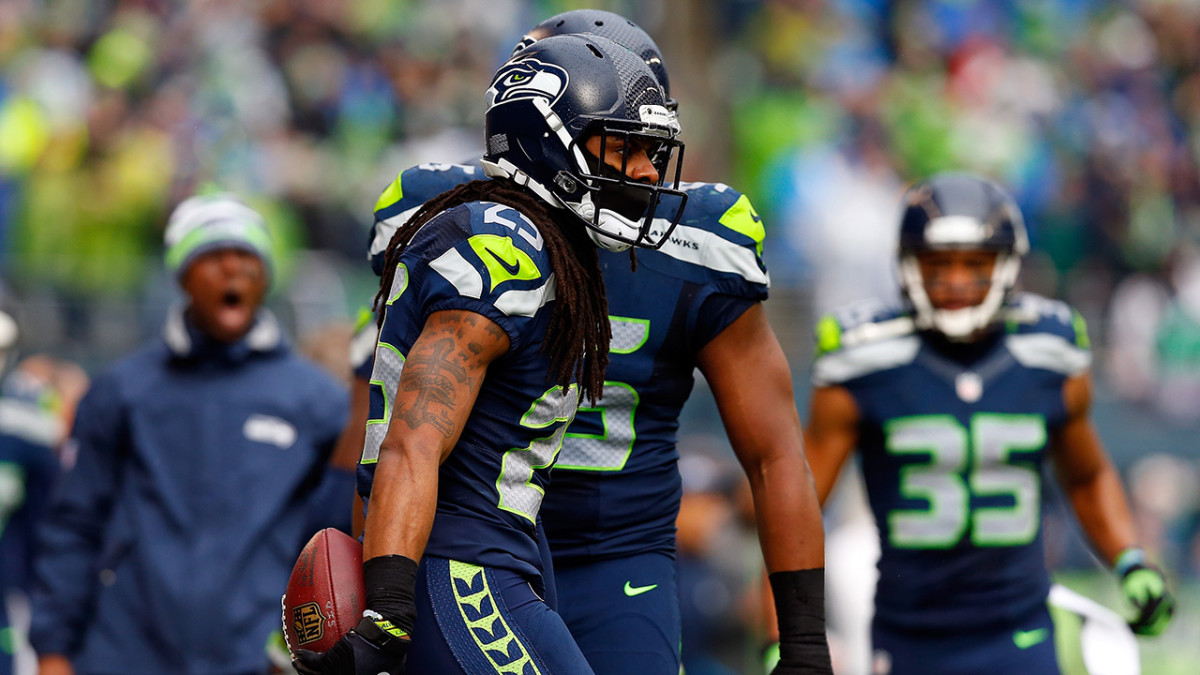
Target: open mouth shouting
x,y
226,288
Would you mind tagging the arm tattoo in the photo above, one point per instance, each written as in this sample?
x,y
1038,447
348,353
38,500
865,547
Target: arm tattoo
x,y
436,370
434,374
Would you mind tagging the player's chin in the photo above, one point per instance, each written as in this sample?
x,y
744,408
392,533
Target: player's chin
x,y
954,305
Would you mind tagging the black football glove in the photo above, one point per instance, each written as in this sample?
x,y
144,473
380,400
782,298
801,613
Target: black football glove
x,y
374,647
1145,587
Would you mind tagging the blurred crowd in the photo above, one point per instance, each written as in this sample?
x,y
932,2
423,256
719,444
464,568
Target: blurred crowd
x,y
822,110
112,111
1088,109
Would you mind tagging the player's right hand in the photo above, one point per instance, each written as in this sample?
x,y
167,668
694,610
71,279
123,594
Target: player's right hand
x,y
368,649
1145,588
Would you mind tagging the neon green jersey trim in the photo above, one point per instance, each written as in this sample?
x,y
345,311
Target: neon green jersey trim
x,y
391,194
400,279
829,335
1081,334
742,218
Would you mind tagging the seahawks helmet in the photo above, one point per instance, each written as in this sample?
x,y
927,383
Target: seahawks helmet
x,y
955,211
612,26
549,99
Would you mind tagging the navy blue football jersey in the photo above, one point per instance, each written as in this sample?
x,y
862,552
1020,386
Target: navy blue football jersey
x,y
952,442
489,259
616,487
28,469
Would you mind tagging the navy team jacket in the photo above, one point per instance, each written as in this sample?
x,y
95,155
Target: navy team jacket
x,y
200,474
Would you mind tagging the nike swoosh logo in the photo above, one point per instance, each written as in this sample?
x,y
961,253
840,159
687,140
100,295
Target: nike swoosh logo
x,y
512,268
632,591
1024,639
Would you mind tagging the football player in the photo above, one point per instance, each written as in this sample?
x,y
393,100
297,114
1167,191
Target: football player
x,y
494,323
955,403
610,513
27,471
37,401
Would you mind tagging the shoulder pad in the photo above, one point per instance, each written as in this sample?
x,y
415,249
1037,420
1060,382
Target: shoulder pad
x,y
719,230
405,195
1032,313
709,200
861,339
718,208
499,254
1048,334
861,323
416,185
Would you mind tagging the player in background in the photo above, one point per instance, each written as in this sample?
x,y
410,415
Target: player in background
x,y
494,323
28,467
610,511
37,401
955,402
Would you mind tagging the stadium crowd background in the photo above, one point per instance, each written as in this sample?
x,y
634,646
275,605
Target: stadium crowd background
x,y
821,110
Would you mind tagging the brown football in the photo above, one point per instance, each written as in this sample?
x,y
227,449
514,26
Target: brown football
x,y
325,596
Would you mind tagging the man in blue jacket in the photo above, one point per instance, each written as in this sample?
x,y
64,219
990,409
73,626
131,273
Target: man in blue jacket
x,y
202,465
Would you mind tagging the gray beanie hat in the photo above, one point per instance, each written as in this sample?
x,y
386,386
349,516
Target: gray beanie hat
x,y
212,222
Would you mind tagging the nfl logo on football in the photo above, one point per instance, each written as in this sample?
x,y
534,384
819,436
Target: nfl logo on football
x,y
308,622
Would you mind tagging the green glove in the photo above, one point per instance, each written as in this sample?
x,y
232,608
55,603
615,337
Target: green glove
x,y
770,655
1145,588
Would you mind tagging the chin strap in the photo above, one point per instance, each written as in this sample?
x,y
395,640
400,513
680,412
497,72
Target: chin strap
x,y
584,210
958,324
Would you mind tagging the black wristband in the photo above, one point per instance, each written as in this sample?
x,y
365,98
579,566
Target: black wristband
x,y
390,583
800,608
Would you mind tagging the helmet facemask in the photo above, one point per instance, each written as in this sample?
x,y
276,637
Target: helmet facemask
x,y
963,324
619,210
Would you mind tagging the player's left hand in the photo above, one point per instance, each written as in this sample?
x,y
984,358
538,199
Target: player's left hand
x,y
1145,588
365,650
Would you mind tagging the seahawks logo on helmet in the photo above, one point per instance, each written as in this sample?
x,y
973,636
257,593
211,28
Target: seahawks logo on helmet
x,y
527,79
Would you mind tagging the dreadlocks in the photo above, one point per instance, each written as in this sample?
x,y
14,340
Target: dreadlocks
x,y
579,332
